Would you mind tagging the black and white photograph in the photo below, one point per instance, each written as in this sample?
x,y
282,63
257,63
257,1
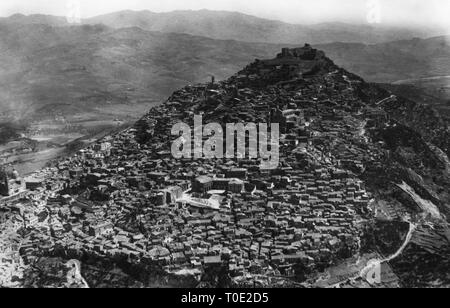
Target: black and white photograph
x,y
212,147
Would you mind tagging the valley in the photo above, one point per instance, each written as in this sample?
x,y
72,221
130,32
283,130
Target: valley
x,y
42,142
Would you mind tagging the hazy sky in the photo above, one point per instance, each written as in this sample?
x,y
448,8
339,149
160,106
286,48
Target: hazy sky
x,y
418,12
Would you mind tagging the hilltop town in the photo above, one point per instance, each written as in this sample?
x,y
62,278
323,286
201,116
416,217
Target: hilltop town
x,y
164,221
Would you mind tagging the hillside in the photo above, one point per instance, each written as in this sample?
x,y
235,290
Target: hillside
x,y
70,69
424,94
358,180
394,61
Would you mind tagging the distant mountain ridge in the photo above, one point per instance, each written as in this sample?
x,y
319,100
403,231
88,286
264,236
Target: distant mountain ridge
x,y
225,25
242,27
21,19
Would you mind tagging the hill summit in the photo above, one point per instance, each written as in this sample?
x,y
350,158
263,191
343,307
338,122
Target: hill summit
x,y
290,64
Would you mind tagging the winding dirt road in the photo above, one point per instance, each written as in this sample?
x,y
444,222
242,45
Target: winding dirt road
x,y
376,263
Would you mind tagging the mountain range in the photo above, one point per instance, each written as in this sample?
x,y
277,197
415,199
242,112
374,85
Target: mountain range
x,y
223,25
242,27
48,66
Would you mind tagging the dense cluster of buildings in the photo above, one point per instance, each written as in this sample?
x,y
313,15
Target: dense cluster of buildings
x,y
11,263
126,197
